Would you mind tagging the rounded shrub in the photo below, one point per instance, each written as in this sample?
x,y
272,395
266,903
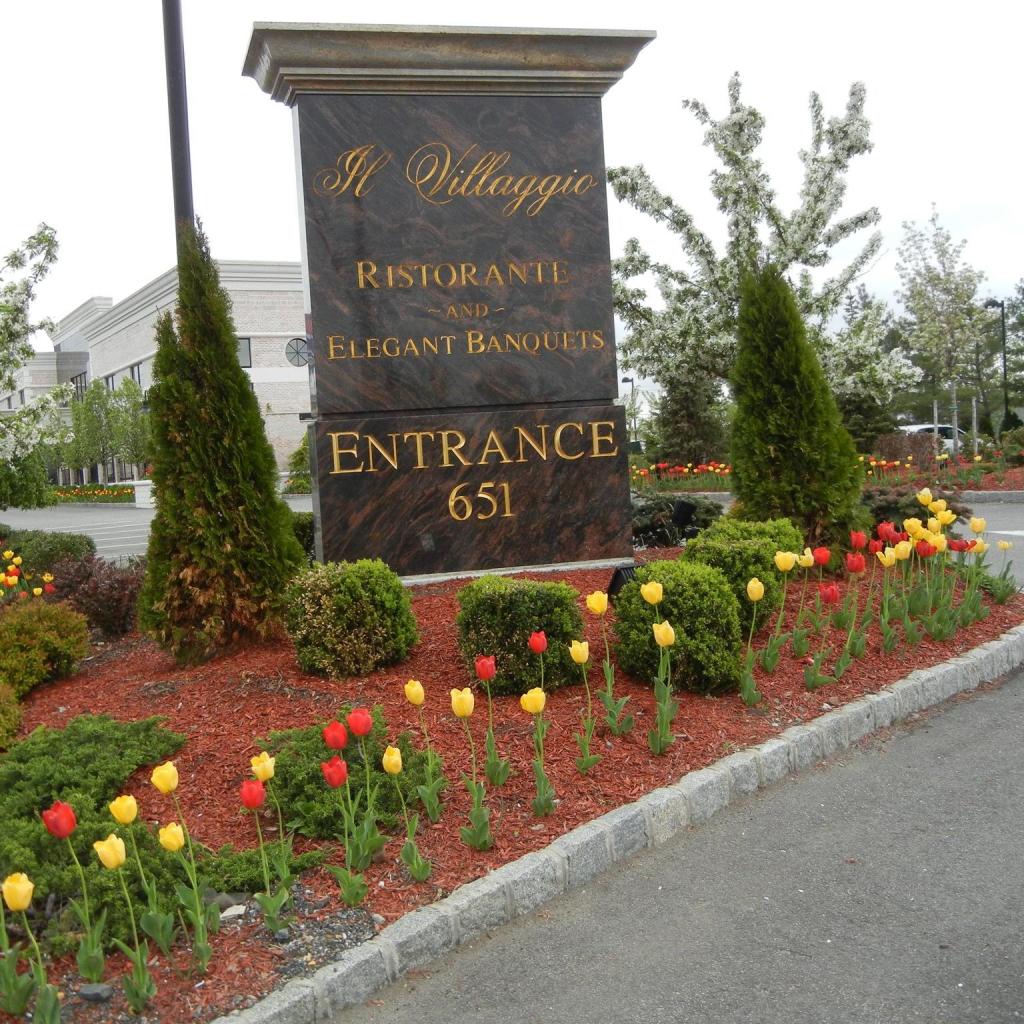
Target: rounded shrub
x,y
40,641
41,550
741,550
10,715
700,606
348,618
104,592
496,617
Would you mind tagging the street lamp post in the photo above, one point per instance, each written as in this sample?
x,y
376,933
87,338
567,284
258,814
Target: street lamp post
x,y
632,401
1001,305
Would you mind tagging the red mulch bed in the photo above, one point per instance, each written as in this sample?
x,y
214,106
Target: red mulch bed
x,y
223,705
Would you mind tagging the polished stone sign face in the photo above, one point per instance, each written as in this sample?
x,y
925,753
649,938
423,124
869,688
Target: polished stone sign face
x,y
460,310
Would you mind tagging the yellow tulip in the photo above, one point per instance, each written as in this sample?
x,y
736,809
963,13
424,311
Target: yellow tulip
x,y
165,777
978,524
755,590
913,526
414,692
980,548
263,766
462,702
977,458
8,554
16,559
886,557
392,761
1004,545
806,560
937,506
37,591
124,809
924,496
110,851
934,525
940,541
664,634
17,890
533,701
579,651
903,550
597,602
946,516
784,560
47,577
652,592
172,837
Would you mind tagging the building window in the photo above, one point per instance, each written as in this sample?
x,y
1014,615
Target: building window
x,y
244,351
109,381
21,397
296,352
80,383
136,373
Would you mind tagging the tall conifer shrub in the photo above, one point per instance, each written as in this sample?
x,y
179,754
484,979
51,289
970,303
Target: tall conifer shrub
x,y
791,455
221,548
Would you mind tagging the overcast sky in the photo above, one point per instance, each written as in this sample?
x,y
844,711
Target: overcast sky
x,y
86,144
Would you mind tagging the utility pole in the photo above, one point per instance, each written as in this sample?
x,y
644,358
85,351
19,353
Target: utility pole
x,y
177,118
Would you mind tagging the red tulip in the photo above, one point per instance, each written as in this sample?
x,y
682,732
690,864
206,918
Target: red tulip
x,y
926,550
538,642
13,570
886,532
874,546
821,556
335,772
49,588
252,794
829,592
335,736
60,820
485,670
855,562
360,721
857,540
902,535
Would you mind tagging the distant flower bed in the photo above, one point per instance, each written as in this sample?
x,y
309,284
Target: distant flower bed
x,y
664,476
107,493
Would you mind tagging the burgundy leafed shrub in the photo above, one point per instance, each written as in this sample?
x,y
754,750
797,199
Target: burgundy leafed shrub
x,y
104,592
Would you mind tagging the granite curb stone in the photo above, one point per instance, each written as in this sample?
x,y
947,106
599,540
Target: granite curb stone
x,y
571,860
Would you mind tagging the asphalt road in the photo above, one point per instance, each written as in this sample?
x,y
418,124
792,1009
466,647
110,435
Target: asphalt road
x,y
123,530
884,888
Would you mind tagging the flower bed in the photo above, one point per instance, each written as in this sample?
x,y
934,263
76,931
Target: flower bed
x,y
106,494
223,706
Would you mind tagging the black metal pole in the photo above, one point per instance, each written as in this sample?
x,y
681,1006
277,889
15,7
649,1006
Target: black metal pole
x,y
177,117
1006,393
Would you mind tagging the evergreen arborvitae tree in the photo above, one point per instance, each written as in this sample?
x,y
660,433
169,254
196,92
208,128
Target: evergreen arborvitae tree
x,y
791,455
221,548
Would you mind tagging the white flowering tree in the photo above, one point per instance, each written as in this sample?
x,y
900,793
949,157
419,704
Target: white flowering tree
x,y
689,327
22,431
939,291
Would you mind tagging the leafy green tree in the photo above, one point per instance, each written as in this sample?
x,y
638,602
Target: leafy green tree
x,y
221,547
791,455
939,291
24,431
689,423
130,424
693,332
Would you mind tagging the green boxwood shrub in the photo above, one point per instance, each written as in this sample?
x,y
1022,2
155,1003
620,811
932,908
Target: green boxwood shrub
x,y
315,809
10,715
86,765
496,617
348,618
700,606
302,524
41,550
741,550
40,641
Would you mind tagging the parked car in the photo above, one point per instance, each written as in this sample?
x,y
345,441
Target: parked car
x,y
944,430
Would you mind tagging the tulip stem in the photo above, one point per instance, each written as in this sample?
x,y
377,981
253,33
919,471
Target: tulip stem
x,y
81,875
280,817
263,852
782,608
131,909
138,860
586,683
472,748
35,945
426,741
366,765
188,836
401,798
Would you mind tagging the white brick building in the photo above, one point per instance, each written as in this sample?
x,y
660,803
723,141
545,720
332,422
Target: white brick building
x,y
103,341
